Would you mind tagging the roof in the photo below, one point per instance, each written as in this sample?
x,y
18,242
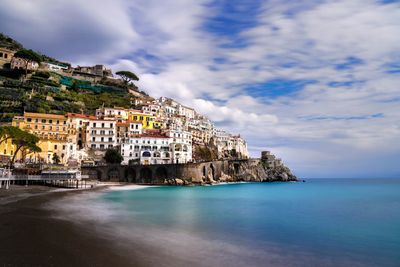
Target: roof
x,y
83,116
129,122
154,136
44,115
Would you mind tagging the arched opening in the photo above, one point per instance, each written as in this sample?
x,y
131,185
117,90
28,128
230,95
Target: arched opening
x,y
236,168
212,171
99,175
178,147
113,174
156,154
130,175
146,176
161,173
185,148
204,171
146,154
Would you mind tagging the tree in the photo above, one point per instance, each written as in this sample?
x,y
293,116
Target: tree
x,y
113,156
24,140
5,133
127,76
29,56
56,158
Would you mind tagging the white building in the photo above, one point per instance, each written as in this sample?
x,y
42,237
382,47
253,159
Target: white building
x,y
146,149
55,67
186,111
119,113
20,64
181,146
101,134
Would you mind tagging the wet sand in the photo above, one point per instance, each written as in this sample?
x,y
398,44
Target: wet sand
x,y
31,236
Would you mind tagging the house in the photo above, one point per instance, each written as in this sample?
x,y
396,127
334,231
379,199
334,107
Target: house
x,y
18,63
6,56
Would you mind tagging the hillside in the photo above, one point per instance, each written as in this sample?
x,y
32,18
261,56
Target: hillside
x,y
44,91
9,43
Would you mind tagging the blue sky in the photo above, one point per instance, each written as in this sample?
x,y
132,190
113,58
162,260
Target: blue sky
x,y
316,82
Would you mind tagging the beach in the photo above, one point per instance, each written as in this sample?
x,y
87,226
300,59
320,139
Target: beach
x,y
31,236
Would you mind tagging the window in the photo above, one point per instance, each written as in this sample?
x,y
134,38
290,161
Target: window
x,y
93,139
102,139
29,119
93,146
58,121
36,126
36,120
94,125
1,54
111,125
43,127
50,121
102,146
110,139
43,121
102,125
55,146
5,55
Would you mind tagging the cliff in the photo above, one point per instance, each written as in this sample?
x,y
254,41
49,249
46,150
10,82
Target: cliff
x,y
258,171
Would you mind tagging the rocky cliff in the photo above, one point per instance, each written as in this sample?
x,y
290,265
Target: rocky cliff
x,y
260,171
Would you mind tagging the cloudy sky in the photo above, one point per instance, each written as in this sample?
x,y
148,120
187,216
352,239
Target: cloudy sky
x,y
316,82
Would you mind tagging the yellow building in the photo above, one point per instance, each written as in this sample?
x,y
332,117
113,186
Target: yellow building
x,y
56,137
6,150
5,56
147,120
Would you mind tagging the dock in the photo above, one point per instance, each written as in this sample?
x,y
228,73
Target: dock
x,y
65,179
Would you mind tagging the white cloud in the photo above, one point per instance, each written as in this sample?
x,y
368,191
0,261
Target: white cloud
x,y
291,40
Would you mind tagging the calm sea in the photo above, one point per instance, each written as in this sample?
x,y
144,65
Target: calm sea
x,y
322,222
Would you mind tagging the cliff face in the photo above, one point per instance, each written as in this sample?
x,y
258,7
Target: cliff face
x,y
259,171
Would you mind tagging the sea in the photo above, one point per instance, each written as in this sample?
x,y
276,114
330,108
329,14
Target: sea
x,y
319,222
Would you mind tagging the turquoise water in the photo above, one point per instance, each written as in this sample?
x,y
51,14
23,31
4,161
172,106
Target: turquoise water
x,y
322,222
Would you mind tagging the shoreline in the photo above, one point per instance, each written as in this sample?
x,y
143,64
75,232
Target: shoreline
x,y
32,235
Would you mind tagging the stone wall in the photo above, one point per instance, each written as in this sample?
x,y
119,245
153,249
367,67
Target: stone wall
x,y
191,173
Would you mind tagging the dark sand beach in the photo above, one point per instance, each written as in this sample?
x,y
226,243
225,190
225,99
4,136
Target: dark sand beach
x,y
31,236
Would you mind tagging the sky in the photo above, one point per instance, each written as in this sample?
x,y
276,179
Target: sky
x,y
315,82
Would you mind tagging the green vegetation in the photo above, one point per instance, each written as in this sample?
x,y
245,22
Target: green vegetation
x,y
9,43
113,156
56,158
23,141
51,92
127,76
